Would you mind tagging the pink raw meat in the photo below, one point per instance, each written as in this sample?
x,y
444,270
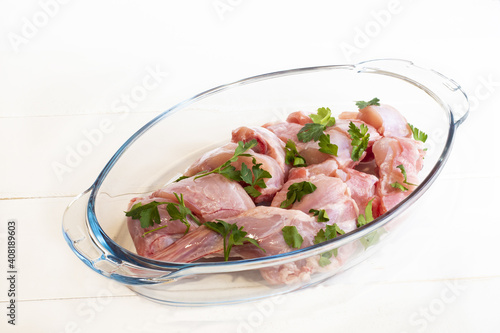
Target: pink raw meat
x,y
389,154
214,158
386,119
210,197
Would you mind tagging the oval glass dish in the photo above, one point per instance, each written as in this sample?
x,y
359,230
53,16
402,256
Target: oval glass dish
x,y
94,224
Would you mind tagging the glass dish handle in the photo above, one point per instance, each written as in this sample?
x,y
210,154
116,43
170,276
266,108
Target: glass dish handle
x,y
77,235
443,89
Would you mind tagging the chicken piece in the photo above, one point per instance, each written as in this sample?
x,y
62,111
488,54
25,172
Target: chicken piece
x,y
215,158
389,154
386,119
343,125
331,194
268,143
299,117
285,130
326,168
343,141
265,225
362,187
209,197
147,245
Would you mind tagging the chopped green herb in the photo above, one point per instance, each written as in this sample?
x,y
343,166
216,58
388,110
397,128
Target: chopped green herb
x,y
232,235
403,171
321,214
314,130
254,177
363,104
330,232
180,178
148,214
311,131
323,117
296,192
226,169
292,236
374,236
360,137
398,186
368,217
418,134
292,156
327,147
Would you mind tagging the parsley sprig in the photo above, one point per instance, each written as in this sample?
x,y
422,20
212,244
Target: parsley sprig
x,y
296,192
148,214
313,131
226,169
324,117
403,171
325,146
405,181
418,134
374,236
292,156
321,214
363,104
330,232
292,237
359,140
254,177
232,235
368,217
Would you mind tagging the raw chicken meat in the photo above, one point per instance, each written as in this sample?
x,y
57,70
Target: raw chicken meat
x,y
362,187
151,243
214,158
389,154
267,142
210,197
331,194
342,191
263,224
386,119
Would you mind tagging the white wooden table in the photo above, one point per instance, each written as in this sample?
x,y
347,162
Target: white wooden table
x,y
78,78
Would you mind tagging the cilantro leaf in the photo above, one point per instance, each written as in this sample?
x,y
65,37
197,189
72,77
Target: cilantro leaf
x,y
323,117
297,191
232,235
321,214
330,232
292,236
418,134
359,142
292,156
363,104
310,131
327,147
403,171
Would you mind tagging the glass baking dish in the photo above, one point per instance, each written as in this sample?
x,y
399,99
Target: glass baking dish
x,y
94,224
